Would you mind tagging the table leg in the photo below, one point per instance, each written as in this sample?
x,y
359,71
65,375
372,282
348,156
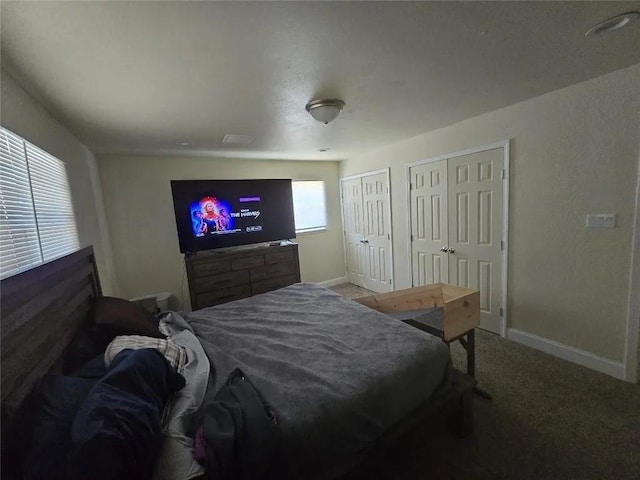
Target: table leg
x,y
471,363
471,352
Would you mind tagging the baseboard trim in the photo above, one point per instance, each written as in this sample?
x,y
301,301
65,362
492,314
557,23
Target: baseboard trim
x,y
574,355
333,282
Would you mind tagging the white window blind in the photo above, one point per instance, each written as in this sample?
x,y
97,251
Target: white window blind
x,y
309,206
36,215
52,201
19,245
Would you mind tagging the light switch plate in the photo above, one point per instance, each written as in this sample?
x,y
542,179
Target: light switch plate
x,y
601,220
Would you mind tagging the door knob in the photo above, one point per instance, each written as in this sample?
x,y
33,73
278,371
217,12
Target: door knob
x,y
365,241
444,249
451,250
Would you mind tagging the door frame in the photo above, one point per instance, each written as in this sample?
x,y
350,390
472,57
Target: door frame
x,y
505,144
389,219
631,351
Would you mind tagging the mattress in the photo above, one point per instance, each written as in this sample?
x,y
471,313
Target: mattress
x,y
337,373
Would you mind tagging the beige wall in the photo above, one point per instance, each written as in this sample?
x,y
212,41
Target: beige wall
x,y
139,209
573,152
24,116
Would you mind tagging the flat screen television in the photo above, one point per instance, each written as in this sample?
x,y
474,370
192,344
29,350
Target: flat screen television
x,y
214,214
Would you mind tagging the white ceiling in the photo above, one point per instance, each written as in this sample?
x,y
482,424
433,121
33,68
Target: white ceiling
x,y
140,76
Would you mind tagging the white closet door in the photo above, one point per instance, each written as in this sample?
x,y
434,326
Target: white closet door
x,y
456,212
429,234
366,213
475,229
352,214
377,233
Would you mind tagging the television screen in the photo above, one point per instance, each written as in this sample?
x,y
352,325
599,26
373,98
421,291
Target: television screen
x,y
225,213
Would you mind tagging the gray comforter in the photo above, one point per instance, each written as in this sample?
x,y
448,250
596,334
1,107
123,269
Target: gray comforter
x,y
337,373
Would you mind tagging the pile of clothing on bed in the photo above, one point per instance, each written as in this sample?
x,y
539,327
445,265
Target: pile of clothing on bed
x,y
140,409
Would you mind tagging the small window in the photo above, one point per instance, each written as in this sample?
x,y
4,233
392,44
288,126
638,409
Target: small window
x,y
309,206
36,216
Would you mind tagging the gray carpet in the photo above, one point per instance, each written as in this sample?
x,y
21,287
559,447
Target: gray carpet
x,y
549,419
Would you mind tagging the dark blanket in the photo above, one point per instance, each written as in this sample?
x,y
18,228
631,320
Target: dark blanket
x,y
116,434
337,373
48,419
43,442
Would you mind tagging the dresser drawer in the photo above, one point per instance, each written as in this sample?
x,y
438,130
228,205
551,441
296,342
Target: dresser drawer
x,y
273,284
269,271
229,279
223,276
223,295
201,269
279,257
243,263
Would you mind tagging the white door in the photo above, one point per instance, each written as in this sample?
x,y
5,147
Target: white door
x,y
353,229
366,213
475,229
377,233
456,213
429,235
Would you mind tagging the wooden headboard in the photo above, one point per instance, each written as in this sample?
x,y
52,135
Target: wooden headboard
x,y
42,309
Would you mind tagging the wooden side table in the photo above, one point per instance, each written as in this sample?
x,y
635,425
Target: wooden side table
x,y
449,312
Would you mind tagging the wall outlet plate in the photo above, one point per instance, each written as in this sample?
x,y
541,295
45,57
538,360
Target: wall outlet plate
x,y
601,220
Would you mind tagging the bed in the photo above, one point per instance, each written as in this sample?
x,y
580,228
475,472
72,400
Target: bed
x,y
343,379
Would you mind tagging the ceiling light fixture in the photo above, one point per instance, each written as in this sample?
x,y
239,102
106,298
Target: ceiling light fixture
x,y
613,23
182,143
325,111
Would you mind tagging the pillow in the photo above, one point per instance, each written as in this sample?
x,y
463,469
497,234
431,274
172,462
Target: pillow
x,y
90,342
125,316
174,354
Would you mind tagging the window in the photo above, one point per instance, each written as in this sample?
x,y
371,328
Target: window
x,y
36,216
309,207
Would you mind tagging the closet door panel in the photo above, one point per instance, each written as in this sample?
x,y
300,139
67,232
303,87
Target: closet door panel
x,y
429,229
475,223
353,224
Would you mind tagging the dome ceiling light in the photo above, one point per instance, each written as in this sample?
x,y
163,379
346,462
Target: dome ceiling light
x,y
325,111
613,23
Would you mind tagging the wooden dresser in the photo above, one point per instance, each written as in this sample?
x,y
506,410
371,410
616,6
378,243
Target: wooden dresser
x,y
222,276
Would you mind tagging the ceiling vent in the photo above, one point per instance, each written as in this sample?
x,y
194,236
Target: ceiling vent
x,y
241,139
